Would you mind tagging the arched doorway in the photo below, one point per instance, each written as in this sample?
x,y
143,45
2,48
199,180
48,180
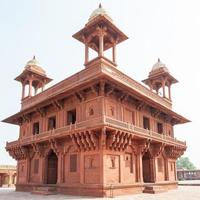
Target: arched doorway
x,y
52,168
147,168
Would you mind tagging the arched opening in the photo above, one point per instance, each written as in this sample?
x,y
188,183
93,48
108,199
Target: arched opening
x,y
147,168
52,168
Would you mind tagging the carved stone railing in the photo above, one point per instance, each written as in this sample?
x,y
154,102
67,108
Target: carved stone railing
x,y
139,131
121,77
97,122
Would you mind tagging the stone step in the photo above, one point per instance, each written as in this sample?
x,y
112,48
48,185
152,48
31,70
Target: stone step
x,y
44,190
154,189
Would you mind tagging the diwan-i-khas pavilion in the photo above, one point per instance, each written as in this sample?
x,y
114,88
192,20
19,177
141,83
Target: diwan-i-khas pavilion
x,y
98,131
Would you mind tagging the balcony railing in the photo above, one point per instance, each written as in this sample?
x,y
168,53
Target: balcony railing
x,y
98,122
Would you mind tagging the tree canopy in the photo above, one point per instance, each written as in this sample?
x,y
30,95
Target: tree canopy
x,y
184,162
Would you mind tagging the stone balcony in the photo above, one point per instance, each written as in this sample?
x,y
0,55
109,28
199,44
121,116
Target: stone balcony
x,y
103,121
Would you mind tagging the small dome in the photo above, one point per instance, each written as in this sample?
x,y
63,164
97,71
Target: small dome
x,y
34,65
159,65
99,11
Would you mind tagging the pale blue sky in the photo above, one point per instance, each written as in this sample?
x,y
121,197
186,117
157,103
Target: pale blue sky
x,y
157,28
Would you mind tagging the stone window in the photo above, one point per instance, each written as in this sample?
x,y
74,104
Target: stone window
x,y
160,127
36,128
71,117
146,123
91,111
51,123
160,164
129,161
36,166
91,162
113,165
73,163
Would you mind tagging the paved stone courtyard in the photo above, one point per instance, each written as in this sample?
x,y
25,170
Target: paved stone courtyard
x,y
183,193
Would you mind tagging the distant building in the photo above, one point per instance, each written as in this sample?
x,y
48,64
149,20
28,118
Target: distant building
x,y
188,174
7,175
97,132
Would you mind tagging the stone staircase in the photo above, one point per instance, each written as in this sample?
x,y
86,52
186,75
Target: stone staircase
x,y
44,190
152,189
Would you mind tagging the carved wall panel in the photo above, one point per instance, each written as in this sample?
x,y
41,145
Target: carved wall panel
x,y
92,168
112,168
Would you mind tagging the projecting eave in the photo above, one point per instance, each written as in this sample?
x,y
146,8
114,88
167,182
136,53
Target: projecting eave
x,y
26,72
13,119
93,24
88,76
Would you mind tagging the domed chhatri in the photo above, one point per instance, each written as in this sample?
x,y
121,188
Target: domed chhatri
x,y
100,34
34,65
159,66
34,76
160,77
99,11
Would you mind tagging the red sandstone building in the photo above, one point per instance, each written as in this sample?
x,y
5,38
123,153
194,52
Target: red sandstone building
x,y
99,131
7,175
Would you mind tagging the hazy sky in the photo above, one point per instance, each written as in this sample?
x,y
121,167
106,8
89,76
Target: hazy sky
x,y
169,30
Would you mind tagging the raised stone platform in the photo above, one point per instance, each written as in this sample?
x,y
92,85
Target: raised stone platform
x,y
44,190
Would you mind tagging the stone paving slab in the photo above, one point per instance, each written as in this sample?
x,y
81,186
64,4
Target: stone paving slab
x,y
183,193
189,182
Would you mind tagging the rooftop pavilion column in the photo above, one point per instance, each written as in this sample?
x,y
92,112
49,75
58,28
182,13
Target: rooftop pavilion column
x,y
163,87
101,33
86,53
169,91
43,85
30,87
23,90
114,53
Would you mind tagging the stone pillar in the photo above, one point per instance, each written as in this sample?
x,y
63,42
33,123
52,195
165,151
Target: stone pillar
x,y
60,170
166,170
139,167
30,88
169,91
175,171
114,53
101,47
102,154
163,87
43,169
86,53
153,170
17,182
9,180
82,170
28,167
36,89
23,90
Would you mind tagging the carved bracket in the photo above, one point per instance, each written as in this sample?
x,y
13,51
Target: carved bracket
x,y
84,141
119,140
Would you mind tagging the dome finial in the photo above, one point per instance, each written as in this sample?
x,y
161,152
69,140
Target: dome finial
x,y
158,59
100,6
34,57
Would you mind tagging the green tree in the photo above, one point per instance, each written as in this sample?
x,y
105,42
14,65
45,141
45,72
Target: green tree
x,y
184,162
